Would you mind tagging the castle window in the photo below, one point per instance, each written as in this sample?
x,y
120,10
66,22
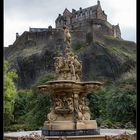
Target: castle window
x,y
98,26
83,14
90,12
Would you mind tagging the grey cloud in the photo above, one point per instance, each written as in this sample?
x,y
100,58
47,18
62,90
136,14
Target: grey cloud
x,y
39,9
129,33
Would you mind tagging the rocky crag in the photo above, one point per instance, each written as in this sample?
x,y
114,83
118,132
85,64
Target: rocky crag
x,y
104,58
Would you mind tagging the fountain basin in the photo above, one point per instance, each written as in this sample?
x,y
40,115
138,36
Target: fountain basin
x,y
69,86
69,111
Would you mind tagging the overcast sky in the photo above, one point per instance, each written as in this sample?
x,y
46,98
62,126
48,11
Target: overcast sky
x,y
19,15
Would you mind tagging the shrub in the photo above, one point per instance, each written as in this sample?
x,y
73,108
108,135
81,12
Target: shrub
x,y
9,93
114,105
17,127
78,47
20,105
38,105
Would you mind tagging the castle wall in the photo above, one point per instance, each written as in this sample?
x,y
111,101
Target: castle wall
x,y
85,19
54,37
100,14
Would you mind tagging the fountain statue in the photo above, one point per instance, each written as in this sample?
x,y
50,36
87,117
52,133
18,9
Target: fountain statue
x,y
69,114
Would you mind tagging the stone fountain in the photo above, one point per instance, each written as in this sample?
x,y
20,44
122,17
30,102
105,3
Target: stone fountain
x,y
69,115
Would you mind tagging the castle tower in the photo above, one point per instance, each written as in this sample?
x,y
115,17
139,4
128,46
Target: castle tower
x,y
116,31
98,2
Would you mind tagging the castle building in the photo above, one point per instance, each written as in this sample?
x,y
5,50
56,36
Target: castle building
x,y
91,18
88,24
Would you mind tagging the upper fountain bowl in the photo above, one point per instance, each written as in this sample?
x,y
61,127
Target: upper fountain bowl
x,y
69,86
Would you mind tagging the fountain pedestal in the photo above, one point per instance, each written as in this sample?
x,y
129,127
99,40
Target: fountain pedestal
x,y
69,114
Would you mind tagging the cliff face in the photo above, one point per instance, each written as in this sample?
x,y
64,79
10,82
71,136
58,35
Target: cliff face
x,y
103,58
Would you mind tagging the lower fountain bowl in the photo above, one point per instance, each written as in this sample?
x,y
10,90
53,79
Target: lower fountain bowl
x,y
79,132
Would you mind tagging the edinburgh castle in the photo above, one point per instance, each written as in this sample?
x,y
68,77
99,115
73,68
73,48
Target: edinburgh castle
x,y
85,25
91,18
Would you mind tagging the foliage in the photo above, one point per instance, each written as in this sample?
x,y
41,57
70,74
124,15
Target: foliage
x,y
31,106
17,127
78,47
98,103
114,106
9,93
122,106
39,108
20,106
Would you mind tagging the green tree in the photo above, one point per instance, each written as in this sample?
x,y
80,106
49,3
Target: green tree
x,y
37,105
20,106
98,102
122,102
9,93
114,105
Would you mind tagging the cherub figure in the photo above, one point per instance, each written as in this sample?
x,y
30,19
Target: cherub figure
x,y
70,59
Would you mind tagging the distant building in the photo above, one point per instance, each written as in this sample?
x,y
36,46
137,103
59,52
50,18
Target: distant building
x,y
86,19
87,24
